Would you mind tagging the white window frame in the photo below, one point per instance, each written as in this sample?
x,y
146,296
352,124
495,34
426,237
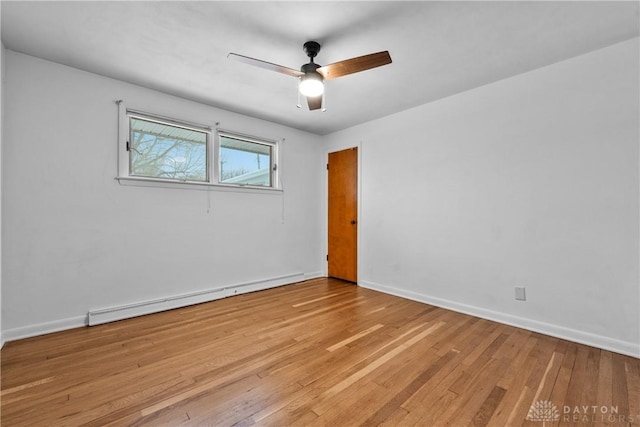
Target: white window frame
x,y
273,165
124,176
176,124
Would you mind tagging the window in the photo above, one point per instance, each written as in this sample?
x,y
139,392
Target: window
x,y
245,162
161,151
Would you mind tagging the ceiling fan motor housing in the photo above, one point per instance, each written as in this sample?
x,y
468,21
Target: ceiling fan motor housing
x,y
311,67
311,48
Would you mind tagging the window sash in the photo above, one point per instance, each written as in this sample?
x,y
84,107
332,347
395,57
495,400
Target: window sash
x,y
167,165
248,144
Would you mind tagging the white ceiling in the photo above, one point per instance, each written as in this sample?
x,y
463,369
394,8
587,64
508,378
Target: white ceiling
x,y
438,48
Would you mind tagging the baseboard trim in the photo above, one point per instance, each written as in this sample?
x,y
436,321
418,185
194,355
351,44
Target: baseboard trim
x,y
112,314
43,328
315,275
582,337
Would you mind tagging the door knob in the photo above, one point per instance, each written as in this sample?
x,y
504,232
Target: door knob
x,y
353,222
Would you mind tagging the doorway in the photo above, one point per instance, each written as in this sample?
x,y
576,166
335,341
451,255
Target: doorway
x,y
342,252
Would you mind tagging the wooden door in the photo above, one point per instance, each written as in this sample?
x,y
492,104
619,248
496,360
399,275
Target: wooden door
x,y
343,215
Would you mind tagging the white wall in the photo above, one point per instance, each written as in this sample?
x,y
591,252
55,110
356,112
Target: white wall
x,y
1,144
531,181
76,240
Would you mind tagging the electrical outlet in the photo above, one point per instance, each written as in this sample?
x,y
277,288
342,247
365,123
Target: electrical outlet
x,y
520,294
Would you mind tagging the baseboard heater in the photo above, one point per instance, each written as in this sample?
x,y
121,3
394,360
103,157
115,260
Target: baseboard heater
x,y
111,314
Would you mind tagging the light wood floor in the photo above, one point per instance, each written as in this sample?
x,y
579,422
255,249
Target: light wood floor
x,y
321,352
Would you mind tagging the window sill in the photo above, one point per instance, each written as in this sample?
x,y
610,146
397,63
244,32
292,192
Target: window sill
x,y
191,185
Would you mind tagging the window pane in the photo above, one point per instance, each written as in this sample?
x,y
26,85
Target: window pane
x,y
160,150
245,162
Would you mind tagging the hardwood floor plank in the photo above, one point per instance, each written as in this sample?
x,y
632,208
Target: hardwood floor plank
x,y
632,368
355,337
548,378
321,352
430,395
351,363
488,347
484,414
320,408
620,395
36,383
519,412
349,408
387,409
574,390
441,402
300,304
514,388
471,400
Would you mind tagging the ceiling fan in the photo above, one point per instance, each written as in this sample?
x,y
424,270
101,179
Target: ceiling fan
x,y
312,75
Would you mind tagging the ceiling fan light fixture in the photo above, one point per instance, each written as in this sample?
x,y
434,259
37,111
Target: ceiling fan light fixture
x,y
311,84
312,76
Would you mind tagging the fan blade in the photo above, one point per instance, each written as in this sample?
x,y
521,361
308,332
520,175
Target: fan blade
x,y
315,102
266,65
354,65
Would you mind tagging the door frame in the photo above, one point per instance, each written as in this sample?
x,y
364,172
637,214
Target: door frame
x,y
325,207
